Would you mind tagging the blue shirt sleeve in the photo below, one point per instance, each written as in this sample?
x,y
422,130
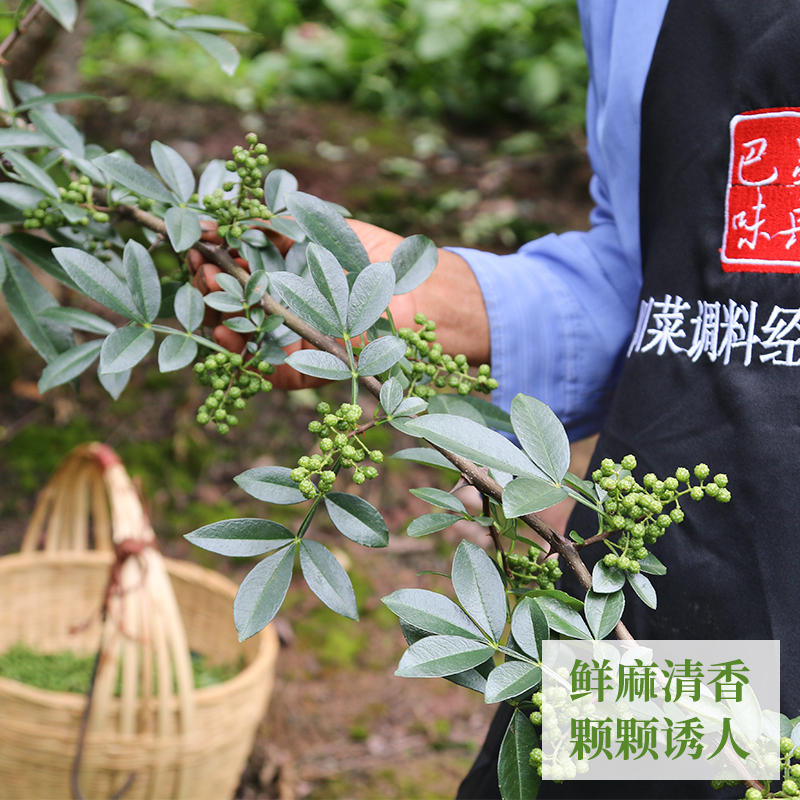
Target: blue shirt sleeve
x,y
562,309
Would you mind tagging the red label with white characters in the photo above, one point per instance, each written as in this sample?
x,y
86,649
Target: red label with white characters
x,y
762,206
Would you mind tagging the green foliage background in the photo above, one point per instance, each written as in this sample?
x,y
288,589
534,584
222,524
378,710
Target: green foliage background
x,y
470,60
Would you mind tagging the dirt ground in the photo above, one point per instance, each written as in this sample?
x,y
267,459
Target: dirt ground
x,y
340,724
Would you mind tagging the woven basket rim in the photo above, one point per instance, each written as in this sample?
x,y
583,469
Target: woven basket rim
x,y
267,638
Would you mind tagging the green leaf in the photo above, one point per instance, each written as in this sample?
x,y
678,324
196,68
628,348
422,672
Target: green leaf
x,y
20,195
356,519
306,301
606,580
288,227
174,170
512,679
221,50
231,286
424,455
474,408
369,297
69,365
125,348
183,228
15,137
40,252
603,611
642,586
786,727
440,655
327,228
541,435
563,619
177,351
65,12
256,287
204,22
277,185
318,364
97,281
30,173
529,627
518,779
114,382
565,598
330,279
480,589
270,484
79,320
432,612
49,99
327,578
473,441
142,279
262,592
134,177
27,299
241,538
189,307
240,325
409,406
59,130
795,737
430,523
380,354
651,565
222,301
413,260
529,495
437,497
148,6
391,395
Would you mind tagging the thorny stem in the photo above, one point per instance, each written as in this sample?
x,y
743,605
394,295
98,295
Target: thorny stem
x,y
472,473
14,36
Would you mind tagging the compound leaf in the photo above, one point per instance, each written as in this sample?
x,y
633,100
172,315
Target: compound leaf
x,y
431,612
270,484
480,589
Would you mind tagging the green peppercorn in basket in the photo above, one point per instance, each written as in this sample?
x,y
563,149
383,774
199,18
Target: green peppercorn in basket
x,y
146,718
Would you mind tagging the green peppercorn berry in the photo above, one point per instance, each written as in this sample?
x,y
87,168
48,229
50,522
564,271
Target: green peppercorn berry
x,y
610,559
420,319
359,478
796,754
220,415
701,471
203,419
308,489
790,787
266,386
251,138
724,496
453,381
232,420
223,230
712,490
199,367
634,567
696,493
463,388
607,467
536,754
750,794
100,216
677,515
212,402
794,770
786,745
315,426
341,440
376,456
440,382
721,479
629,463
664,521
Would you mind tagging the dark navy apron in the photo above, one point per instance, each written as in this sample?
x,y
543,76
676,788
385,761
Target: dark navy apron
x,y
712,370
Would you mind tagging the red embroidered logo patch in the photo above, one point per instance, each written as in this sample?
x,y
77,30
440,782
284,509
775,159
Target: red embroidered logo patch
x,y
762,205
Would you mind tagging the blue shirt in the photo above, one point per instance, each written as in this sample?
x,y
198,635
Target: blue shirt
x,y
562,309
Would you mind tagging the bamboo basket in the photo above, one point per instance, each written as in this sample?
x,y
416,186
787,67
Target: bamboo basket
x,y
180,742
